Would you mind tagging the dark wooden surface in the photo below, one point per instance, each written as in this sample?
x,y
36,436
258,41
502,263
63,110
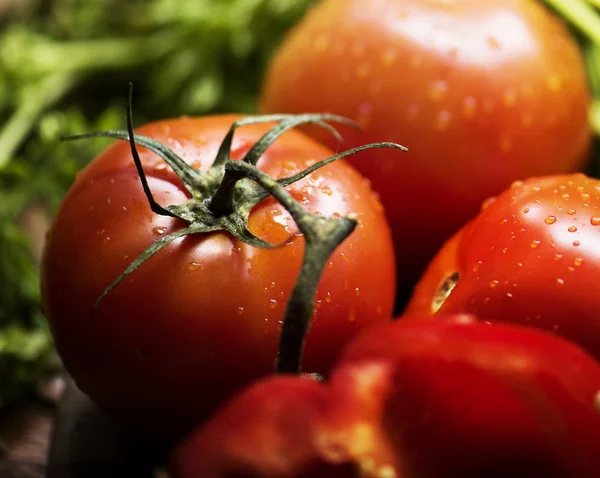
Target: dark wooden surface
x,y
25,431
62,434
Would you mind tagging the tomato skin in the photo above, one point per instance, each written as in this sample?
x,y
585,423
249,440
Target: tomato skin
x,y
481,92
529,258
200,319
460,398
266,430
443,398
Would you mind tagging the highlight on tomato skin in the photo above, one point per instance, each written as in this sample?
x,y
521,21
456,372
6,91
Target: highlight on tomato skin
x,y
529,258
202,317
444,398
481,92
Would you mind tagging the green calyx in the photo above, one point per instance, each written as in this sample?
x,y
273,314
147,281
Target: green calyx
x,y
222,198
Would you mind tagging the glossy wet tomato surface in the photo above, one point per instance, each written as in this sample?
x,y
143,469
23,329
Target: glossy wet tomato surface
x,y
531,257
202,317
458,398
481,92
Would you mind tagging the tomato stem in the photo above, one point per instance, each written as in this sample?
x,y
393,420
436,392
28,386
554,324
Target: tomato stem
x,y
222,201
322,236
581,15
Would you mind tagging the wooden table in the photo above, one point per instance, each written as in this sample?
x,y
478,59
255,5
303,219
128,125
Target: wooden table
x,y
63,435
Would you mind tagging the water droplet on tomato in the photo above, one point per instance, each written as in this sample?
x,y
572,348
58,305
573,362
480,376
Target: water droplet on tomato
x,y
526,119
558,257
550,219
159,230
469,107
192,266
352,315
510,97
493,42
585,196
273,303
595,220
362,70
240,310
526,210
570,212
358,49
554,82
488,202
566,196
412,112
386,471
535,244
438,90
443,120
321,43
572,229
388,57
578,261
560,281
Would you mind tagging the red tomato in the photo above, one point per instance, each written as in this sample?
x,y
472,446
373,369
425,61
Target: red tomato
x,y
531,257
438,399
482,92
265,431
201,318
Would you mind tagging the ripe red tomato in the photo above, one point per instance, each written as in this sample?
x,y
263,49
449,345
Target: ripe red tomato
x,y
265,431
531,257
201,318
459,398
437,399
481,92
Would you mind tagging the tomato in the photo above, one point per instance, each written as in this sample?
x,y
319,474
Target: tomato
x,y
481,92
530,257
201,318
266,430
438,399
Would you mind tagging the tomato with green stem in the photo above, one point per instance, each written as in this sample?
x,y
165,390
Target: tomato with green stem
x,y
530,258
189,273
483,92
